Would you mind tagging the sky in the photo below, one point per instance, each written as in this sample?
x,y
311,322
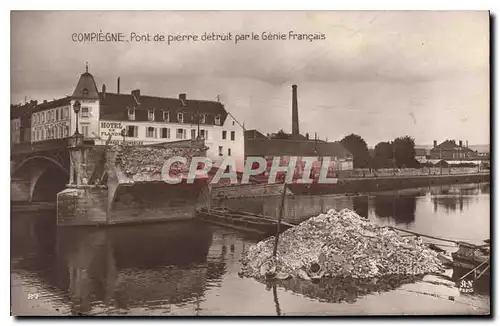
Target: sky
x,y
377,74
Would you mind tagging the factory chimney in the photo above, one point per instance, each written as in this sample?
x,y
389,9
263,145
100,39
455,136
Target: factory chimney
x,y
118,86
295,111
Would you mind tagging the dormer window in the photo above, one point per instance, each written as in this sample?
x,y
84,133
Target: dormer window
x,y
180,117
131,114
203,118
85,92
151,115
166,116
217,119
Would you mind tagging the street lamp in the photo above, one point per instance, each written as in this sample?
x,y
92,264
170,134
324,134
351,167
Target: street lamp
x,y
76,109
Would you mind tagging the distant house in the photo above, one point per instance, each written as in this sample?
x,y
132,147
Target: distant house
x,y
450,150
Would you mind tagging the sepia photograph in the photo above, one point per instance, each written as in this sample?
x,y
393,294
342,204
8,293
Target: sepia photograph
x,y
250,163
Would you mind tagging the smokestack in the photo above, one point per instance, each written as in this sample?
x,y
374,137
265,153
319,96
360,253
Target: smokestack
x,y
118,85
460,143
295,111
435,143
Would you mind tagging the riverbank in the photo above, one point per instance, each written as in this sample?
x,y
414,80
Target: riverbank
x,y
373,184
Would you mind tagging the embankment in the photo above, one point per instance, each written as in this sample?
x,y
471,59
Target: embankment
x,y
371,184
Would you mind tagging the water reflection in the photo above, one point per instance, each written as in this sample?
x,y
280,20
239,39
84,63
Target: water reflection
x,y
337,290
123,267
400,209
360,205
184,267
393,206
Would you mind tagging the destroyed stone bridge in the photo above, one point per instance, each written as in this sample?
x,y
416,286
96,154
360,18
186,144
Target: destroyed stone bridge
x,y
101,184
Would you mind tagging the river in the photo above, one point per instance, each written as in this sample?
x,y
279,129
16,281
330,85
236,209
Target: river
x,y
190,268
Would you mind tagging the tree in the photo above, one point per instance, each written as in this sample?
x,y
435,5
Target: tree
x,y
383,155
404,150
358,148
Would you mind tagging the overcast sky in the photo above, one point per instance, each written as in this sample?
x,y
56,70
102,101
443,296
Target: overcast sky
x,y
377,74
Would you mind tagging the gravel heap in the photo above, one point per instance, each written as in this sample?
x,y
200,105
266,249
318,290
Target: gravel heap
x,y
339,244
135,160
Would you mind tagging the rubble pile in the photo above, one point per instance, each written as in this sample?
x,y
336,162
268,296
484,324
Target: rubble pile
x,y
138,160
339,244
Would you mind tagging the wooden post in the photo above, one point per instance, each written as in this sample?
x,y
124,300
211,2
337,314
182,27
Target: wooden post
x,y
276,239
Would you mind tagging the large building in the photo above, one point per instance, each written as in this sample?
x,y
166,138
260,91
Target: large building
x,y
132,118
450,150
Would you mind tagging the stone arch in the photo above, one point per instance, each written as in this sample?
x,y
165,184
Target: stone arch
x,y
45,175
39,157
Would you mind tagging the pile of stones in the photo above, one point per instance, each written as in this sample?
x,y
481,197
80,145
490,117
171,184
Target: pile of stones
x,y
339,244
149,160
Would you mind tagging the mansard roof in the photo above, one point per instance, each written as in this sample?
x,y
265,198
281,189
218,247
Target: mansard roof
x,y
115,107
86,87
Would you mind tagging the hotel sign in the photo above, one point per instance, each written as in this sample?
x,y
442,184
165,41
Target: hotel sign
x,y
110,128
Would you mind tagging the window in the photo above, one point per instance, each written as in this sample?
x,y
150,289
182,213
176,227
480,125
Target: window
x,y
33,134
151,132
203,117
193,133
66,131
217,119
229,152
131,114
206,134
151,115
42,134
224,134
166,116
202,134
180,117
57,114
66,113
165,132
85,130
220,150
131,131
85,92
232,135
43,116
85,112
180,134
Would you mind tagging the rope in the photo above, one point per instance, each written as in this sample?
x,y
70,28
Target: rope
x,y
468,273
484,271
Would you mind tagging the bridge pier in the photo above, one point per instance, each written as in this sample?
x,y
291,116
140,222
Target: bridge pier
x,y
123,184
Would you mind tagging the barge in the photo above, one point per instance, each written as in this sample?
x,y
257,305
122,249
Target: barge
x,y
247,222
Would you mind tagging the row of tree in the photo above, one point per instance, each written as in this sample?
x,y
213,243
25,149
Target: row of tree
x,y
398,153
